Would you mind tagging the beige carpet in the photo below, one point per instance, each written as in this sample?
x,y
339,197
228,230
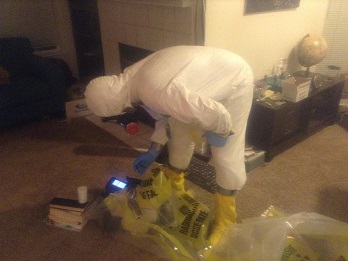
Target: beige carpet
x,y
43,160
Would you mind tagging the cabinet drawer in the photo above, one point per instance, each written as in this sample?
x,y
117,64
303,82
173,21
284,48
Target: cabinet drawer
x,y
286,123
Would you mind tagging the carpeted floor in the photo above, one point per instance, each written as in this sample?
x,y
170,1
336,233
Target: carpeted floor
x,y
42,160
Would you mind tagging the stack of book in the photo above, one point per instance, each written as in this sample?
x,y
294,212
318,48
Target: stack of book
x,y
68,213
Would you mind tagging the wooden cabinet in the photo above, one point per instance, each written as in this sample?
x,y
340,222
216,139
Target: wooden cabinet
x,y
275,127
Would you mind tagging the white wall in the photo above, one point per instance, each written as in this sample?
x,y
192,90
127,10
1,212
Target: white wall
x,y
25,18
45,23
263,38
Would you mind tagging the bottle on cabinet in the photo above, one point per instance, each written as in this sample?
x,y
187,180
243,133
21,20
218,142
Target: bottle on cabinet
x,y
281,74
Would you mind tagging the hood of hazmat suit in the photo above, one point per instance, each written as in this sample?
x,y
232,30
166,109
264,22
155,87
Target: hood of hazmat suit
x,y
107,96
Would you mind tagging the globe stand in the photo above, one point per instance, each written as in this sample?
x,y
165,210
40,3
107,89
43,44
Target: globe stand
x,y
306,74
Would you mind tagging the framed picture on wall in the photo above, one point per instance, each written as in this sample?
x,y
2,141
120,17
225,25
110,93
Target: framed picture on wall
x,y
258,6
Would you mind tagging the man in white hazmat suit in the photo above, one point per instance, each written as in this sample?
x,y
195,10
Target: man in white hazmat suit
x,y
182,87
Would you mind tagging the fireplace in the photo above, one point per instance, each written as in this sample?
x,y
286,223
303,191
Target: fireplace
x,y
130,54
149,25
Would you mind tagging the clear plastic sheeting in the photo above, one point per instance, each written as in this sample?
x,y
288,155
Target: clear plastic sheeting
x,y
302,236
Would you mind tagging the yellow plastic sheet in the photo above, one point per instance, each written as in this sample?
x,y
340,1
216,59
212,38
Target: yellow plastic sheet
x,y
178,224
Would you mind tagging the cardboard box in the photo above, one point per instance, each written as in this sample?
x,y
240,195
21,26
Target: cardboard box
x,y
77,108
345,88
295,89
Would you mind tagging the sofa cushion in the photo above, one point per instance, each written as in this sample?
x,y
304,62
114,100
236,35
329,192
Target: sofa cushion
x,y
29,90
37,84
4,76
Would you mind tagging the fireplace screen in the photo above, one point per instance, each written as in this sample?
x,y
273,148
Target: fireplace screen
x,y
131,54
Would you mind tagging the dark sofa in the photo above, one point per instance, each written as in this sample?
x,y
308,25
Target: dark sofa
x,y
35,87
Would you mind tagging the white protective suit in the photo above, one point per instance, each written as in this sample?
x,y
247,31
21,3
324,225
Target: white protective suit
x,y
184,86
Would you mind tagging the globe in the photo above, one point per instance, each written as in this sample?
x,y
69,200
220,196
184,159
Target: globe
x,y
311,50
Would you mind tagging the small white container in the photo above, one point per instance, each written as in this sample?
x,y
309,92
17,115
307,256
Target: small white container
x,y
82,194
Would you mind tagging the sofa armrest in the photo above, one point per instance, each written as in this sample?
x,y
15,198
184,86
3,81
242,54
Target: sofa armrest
x,y
50,72
46,70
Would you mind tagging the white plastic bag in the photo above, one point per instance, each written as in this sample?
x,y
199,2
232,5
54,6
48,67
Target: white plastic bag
x,y
303,236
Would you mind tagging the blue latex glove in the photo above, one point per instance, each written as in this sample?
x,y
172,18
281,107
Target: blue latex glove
x,y
215,139
144,161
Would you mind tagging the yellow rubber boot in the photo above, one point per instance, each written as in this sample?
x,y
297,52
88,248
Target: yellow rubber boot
x,y
177,180
225,216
